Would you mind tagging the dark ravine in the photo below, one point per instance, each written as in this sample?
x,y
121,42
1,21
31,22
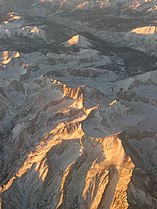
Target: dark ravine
x,y
78,107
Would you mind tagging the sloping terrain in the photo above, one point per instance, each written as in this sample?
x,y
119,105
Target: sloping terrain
x,y
78,113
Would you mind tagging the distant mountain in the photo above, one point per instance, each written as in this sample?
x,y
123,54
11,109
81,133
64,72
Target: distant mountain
x,y
77,41
78,104
117,4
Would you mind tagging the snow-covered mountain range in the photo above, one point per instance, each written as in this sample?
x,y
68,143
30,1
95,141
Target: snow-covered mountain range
x,y
78,105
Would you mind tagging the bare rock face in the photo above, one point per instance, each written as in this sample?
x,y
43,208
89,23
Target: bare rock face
x,y
78,114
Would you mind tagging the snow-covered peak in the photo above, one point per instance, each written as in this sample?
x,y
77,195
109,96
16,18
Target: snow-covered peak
x,y
146,30
79,41
143,39
86,4
32,32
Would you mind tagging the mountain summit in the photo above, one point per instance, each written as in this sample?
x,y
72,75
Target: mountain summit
x,y
78,41
78,104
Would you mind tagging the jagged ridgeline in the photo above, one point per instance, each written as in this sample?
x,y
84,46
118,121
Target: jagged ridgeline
x,y
78,104
65,158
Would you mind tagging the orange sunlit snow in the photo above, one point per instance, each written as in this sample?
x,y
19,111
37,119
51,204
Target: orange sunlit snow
x,y
8,56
